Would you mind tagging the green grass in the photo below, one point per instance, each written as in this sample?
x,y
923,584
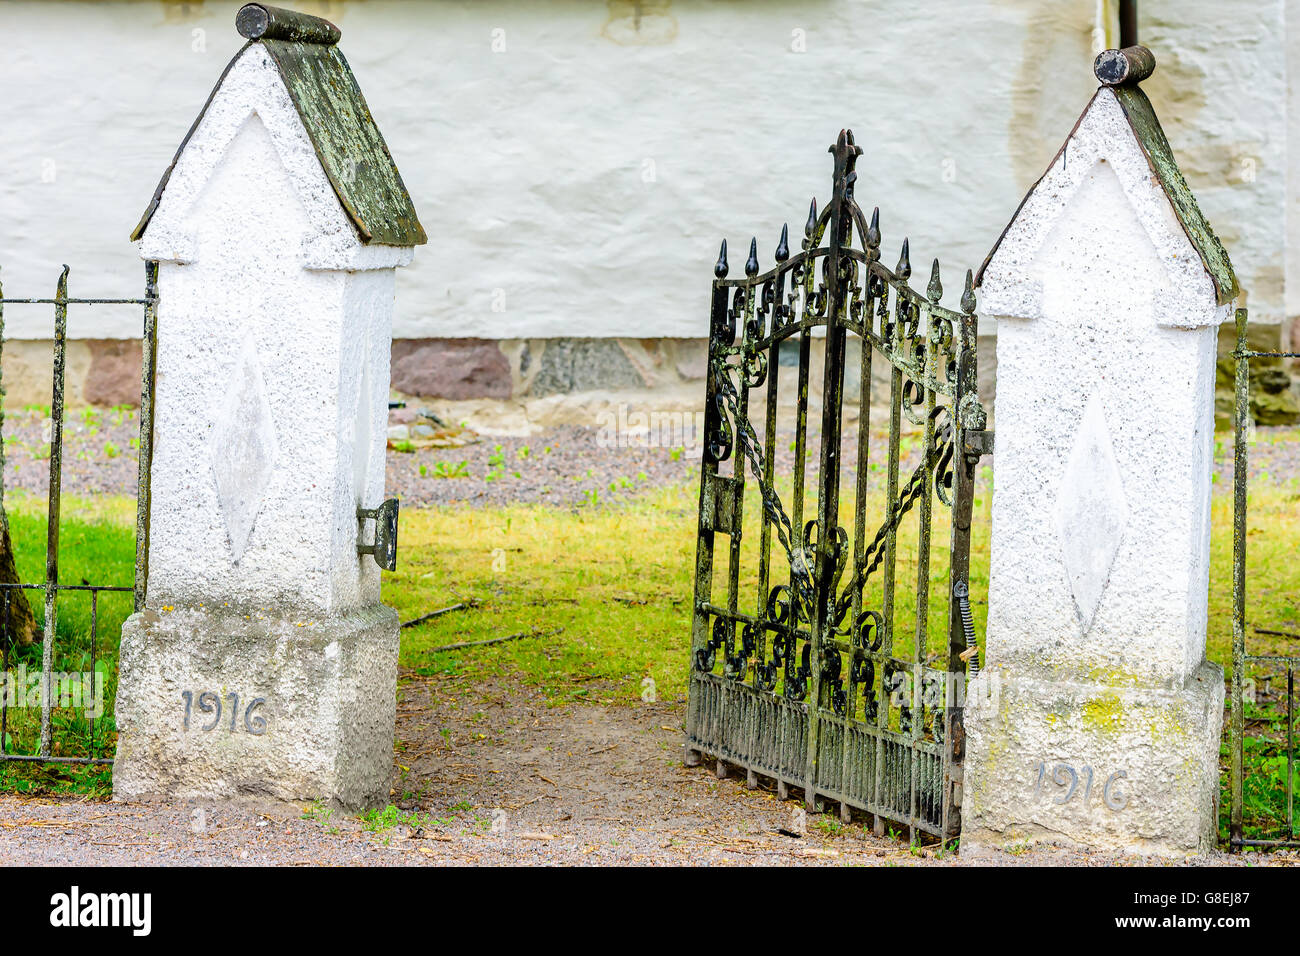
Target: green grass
x,y
96,546
614,580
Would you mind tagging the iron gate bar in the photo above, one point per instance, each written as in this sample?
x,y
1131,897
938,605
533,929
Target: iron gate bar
x,y
1239,462
52,513
51,586
808,733
148,376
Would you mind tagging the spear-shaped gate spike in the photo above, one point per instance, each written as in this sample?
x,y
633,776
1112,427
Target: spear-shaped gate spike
x,y
968,294
904,268
935,289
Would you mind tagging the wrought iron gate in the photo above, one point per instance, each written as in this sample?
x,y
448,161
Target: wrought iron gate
x,y
96,748
1274,743
820,689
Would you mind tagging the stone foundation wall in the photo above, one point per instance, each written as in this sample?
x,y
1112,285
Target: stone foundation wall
x,y
518,385
97,372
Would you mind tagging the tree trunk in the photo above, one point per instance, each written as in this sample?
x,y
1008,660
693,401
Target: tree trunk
x,y
21,624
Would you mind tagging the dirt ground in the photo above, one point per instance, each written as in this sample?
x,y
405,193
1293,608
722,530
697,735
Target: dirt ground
x,y
499,777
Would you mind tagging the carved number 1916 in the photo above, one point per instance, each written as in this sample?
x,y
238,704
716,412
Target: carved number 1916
x,y
210,703
1066,777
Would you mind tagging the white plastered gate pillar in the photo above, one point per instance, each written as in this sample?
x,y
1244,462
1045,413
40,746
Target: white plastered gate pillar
x,y
263,663
1096,720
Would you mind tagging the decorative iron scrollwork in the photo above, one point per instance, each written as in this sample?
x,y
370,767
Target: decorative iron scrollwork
x,y
722,634
720,440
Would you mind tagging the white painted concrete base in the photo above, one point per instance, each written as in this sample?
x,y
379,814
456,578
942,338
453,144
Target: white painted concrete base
x,y
1092,766
307,708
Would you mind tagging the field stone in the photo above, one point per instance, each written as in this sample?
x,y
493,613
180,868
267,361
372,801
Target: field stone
x,y
114,375
453,369
1272,398
583,365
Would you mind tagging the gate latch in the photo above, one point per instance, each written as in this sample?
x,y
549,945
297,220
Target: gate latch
x,y
723,515
385,547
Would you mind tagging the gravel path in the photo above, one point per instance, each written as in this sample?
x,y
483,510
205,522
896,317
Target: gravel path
x,y
497,776
565,467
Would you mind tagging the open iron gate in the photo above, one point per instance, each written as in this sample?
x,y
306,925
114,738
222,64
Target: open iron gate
x,y
821,688
61,694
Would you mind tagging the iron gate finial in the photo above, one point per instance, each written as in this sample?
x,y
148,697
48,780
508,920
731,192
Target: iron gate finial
x,y
968,294
783,247
873,234
934,291
904,267
846,154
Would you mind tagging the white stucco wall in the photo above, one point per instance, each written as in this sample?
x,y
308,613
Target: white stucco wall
x,y
576,179
1293,167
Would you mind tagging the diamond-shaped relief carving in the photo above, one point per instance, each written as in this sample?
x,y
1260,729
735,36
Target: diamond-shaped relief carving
x,y
1091,513
244,447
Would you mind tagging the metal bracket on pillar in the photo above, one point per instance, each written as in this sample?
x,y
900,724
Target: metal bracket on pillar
x,y
384,548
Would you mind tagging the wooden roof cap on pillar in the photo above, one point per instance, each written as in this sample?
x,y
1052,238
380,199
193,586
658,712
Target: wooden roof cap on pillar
x,y
1119,72
346,140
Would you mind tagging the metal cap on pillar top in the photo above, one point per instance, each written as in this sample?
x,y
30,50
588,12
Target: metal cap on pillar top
x,y
259,21
1126,67
1131,63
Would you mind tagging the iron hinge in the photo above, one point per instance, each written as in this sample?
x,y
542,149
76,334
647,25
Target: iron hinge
x,y
384,548
979,442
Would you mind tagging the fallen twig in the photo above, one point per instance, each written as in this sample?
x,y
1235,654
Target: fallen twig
x,y
529,803
1260,630
464,605
494,640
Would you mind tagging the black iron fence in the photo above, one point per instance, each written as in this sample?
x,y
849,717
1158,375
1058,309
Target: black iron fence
x,y
1262,722
80,690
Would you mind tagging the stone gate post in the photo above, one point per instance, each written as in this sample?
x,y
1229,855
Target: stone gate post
x,y
263,663
1096,719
